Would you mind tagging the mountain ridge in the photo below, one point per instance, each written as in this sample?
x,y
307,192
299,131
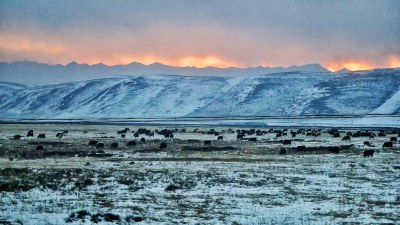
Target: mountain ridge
x,y
33,73
284,94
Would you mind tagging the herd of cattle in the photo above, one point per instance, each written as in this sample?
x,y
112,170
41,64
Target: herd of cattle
x,y
241,135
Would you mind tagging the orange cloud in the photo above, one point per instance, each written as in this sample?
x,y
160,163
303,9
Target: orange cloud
x,y
350,65
21,44
394,62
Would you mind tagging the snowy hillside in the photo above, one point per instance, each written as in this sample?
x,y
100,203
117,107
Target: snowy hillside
x,y
292,93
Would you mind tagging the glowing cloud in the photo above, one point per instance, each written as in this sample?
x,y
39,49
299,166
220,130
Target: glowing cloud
x,y
351,65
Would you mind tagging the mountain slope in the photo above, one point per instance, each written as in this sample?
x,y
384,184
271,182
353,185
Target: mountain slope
x,y
292,93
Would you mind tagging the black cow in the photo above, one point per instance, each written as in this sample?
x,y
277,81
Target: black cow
x,y
336,135
100,145
393,138
220,137
368,153
367,143
123,135
92,143
287,142
39,147
239,136
65,132
114,145
17,137
131,143
41,136
163,145
59,135
334,149
301,148
387,144
207,142
381,135
282,151
142,140
278,135
346,138
253,139
30,133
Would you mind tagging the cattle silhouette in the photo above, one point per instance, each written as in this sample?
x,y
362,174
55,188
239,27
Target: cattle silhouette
x,y
368,153
346,138
367,143
131,143
282,151
207,142
39,147
30,133
163,145
387,144
41,136
287,142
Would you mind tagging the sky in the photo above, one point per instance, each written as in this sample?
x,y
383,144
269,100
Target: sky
x,y
356,34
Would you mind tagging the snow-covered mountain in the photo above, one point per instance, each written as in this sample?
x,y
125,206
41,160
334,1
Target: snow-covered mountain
x,y
291,93
33,73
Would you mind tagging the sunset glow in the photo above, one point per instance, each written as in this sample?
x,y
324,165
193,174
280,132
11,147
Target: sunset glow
x,y
350,65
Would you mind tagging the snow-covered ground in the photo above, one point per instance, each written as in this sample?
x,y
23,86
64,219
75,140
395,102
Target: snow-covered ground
x,y
250,185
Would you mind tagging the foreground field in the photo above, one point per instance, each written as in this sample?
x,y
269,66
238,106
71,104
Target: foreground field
x,y
230,182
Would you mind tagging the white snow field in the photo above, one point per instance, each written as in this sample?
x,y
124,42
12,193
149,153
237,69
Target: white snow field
x,y
189,184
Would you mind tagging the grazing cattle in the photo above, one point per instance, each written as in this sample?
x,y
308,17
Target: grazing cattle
x,y
381,135
171,136
253,139
282,151
287,142
59,135
207,142
278,135
388,144
92,143
17,137
142,140
39,147
346,138
368,153
336,135
334,149
41,136
293,134
372,136
301,148
131,143
367,143
123,135
220,137
349,134
136,134
114,145
30,133
393,138
100,145
65,132
239,136
163,145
